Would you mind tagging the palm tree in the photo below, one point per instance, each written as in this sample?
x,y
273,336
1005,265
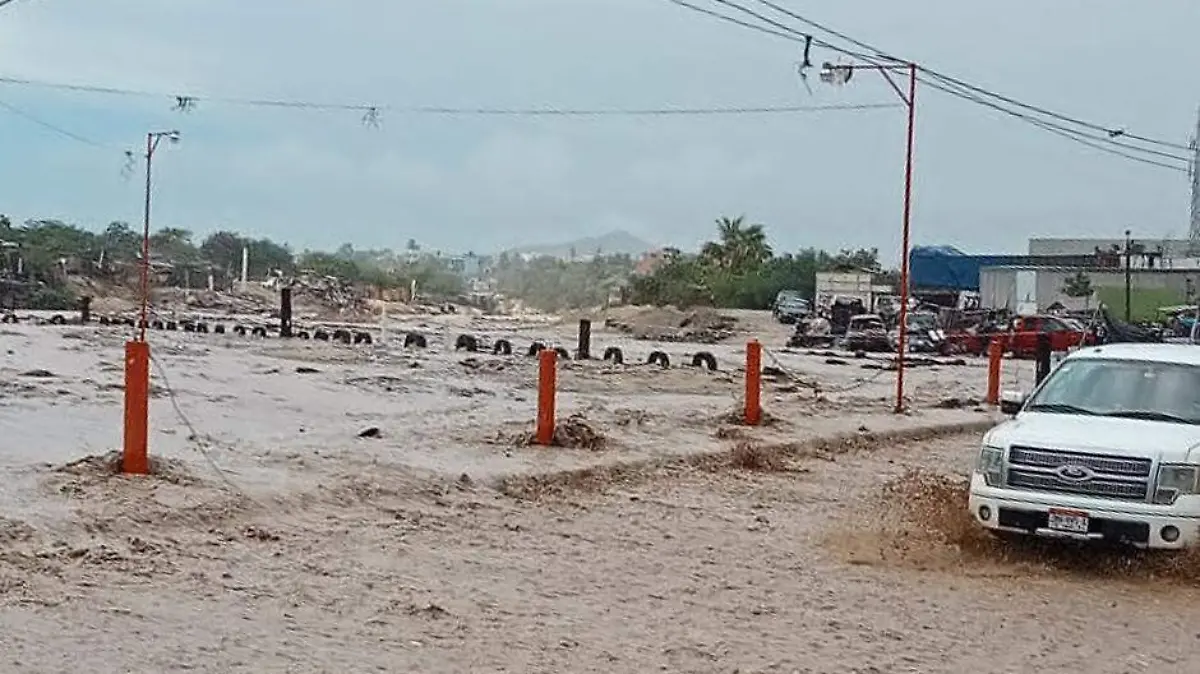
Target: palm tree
x,y
741,246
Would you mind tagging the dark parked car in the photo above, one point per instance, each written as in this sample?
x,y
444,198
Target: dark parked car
x,y
867,332
790,307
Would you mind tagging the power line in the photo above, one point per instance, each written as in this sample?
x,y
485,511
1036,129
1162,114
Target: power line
x,y
1112,132
30,117
189,102
785,32
1098,142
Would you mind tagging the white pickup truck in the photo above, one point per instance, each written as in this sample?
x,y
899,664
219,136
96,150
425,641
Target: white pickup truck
x,y
1107,448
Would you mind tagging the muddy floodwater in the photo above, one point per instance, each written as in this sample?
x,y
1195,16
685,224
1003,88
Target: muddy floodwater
x,y
273,538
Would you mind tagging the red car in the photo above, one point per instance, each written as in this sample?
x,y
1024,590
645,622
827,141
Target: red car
x,y
1065,334
1020,336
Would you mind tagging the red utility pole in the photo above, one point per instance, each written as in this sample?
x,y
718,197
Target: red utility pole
x,y
904,237
910,102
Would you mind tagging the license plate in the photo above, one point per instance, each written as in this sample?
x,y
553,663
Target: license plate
x,y
1070,521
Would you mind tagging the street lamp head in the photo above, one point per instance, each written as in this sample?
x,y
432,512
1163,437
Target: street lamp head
x,y
836,74
172,135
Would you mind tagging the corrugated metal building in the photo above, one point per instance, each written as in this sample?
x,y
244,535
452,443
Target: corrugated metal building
x,y
947,268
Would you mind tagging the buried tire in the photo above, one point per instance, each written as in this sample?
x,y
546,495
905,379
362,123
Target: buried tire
x,y
467,342
659,358
706,360
415,339
502,347
535,349
615,355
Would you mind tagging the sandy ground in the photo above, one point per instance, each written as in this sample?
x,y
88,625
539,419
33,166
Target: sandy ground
x,y
273,539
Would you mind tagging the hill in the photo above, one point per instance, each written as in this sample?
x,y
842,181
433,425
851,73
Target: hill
x,y
615,242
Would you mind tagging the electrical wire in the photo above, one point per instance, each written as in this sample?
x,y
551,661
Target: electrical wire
x,y
50,126
1112,132
188,102
197,440
951,87
786,32
1096,142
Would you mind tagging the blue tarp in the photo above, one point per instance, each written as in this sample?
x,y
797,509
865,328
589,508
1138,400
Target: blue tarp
x,y
948,268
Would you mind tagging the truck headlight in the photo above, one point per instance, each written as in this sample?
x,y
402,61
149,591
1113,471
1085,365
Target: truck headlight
x,y
1174,480
991,465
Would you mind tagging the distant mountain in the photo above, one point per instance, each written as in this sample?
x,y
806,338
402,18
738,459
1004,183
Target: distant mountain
x,y
612,243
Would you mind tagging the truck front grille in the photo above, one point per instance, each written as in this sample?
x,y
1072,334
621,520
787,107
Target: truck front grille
x,y
1104,476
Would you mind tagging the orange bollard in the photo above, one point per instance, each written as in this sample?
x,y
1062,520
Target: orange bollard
x,y
753,413
135,458
995,358
547,382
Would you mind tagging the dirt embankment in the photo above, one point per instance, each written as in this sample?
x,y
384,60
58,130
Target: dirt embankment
x,y
668,324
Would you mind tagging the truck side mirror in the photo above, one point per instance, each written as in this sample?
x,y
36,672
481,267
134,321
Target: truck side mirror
x,y
1011,402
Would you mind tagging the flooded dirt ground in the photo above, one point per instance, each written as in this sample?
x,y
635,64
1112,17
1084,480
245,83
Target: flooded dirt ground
x,y
767,564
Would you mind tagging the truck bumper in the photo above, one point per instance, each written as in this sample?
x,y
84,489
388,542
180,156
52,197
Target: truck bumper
x,y
1028,513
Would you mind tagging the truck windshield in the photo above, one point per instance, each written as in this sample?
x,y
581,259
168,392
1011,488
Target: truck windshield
x,y
1149,390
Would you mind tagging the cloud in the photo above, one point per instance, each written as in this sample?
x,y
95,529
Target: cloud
x,y
828,179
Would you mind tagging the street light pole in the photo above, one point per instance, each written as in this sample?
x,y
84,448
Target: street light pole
x,y
152,140
830,73
1128,277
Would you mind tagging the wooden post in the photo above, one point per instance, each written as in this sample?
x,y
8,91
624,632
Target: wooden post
x,y
584,351
285,312
135,457
547,382
753,412
995,360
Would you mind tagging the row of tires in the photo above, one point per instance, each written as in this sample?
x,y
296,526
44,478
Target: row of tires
x,y
56,319
470,343
320,334
339,335
613,354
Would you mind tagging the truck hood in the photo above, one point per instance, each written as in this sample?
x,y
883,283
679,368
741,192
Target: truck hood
x,y
1103,435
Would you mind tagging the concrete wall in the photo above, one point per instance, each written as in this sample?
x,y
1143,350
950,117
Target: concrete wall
x,y
998,286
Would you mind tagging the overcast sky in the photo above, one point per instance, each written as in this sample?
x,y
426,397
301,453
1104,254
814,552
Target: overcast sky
x,y
831,179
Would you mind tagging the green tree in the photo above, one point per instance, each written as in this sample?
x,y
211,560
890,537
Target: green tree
x,y
44,243
223,251
740,248
328,264
120,244
174,245
1079,285
740,270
